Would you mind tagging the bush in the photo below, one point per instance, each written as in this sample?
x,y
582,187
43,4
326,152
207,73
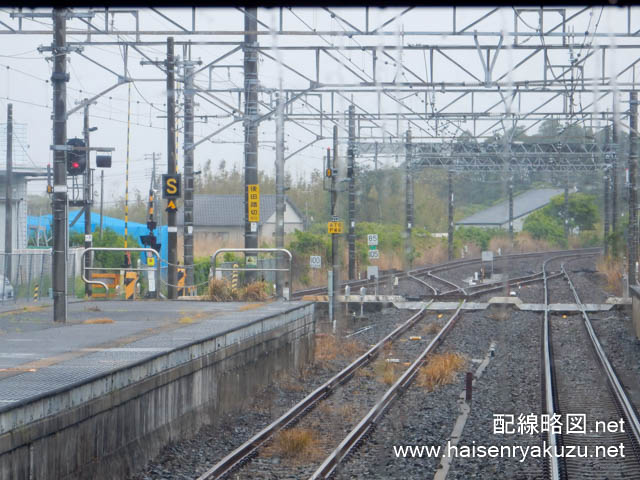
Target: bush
x,y
542,226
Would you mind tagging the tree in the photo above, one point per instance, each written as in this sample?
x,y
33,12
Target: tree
x,y
583,211
543,226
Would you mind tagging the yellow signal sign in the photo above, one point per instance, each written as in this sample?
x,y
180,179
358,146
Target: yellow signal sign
x,y
335,227
151,261
171,205
253,205
170,186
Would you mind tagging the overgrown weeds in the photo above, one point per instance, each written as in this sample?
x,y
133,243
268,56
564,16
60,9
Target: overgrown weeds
x,y
220,290
440,370
329,347
612,269
294,444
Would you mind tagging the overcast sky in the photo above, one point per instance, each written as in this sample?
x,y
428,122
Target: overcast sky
x,y
25,73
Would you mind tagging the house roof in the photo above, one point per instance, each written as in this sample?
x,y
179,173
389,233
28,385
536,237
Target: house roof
x,y
523,204
228,210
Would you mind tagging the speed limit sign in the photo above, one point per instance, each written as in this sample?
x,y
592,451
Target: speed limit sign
x,y
315,261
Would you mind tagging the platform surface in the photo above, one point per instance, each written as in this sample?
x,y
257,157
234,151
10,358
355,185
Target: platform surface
x,y
38,355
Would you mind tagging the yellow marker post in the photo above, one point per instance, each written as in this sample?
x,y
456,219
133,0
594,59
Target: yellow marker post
x,y
130,280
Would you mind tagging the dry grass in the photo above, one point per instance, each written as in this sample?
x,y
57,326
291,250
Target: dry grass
x,y
431,328
524,242
440,369
295,444
220,291
98,321
612,270
255,291
385,372
326,348
329,347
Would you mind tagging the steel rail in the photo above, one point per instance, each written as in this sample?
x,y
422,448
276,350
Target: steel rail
x,y
329,465
443,266
549,397
612,379
244,451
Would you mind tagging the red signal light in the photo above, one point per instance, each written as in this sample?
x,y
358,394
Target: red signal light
x,y
75,165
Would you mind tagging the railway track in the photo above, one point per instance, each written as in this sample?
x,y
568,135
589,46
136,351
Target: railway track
x,y
243,454
579,380
432,271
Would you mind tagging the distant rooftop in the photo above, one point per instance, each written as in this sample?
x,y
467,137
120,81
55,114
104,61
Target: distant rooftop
x,y
228,210
523,204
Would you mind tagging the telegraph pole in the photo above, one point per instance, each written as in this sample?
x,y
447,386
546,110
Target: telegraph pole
x,y
250,125
188,172
335,256
279,192
606,193
614,177
566,206
510,188
86,194
351,156
408,190
450,232
633,193
172,228
8,207
60,244
101,198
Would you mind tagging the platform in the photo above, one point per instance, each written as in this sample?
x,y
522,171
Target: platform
x,y
111,354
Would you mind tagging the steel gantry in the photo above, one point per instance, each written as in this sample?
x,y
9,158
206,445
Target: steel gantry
x,y
438,72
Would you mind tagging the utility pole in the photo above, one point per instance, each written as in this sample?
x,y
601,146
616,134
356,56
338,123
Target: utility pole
x,y
187,234
86,197
172,228
566,206
408,190
633,193
60,224
250,47
606,183
614,177
335,256
101,198
351,174
450,232
8,207
510,188
279,192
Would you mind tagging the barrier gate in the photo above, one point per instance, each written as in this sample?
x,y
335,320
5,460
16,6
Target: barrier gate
x,y
130,276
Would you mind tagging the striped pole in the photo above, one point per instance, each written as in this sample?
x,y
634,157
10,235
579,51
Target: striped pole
x,y
126,181
234,278
36,292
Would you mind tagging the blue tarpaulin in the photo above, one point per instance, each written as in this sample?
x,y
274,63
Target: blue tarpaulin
x,y
115,224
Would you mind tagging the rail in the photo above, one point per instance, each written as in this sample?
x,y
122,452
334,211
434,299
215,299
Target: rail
x,y
244,451
327,467
612,378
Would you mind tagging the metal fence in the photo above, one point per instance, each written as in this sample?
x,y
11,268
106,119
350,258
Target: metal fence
x,y
26,275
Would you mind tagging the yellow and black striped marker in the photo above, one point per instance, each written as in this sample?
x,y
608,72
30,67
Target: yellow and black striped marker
x,y
36,292
234,278
182,276
130,280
